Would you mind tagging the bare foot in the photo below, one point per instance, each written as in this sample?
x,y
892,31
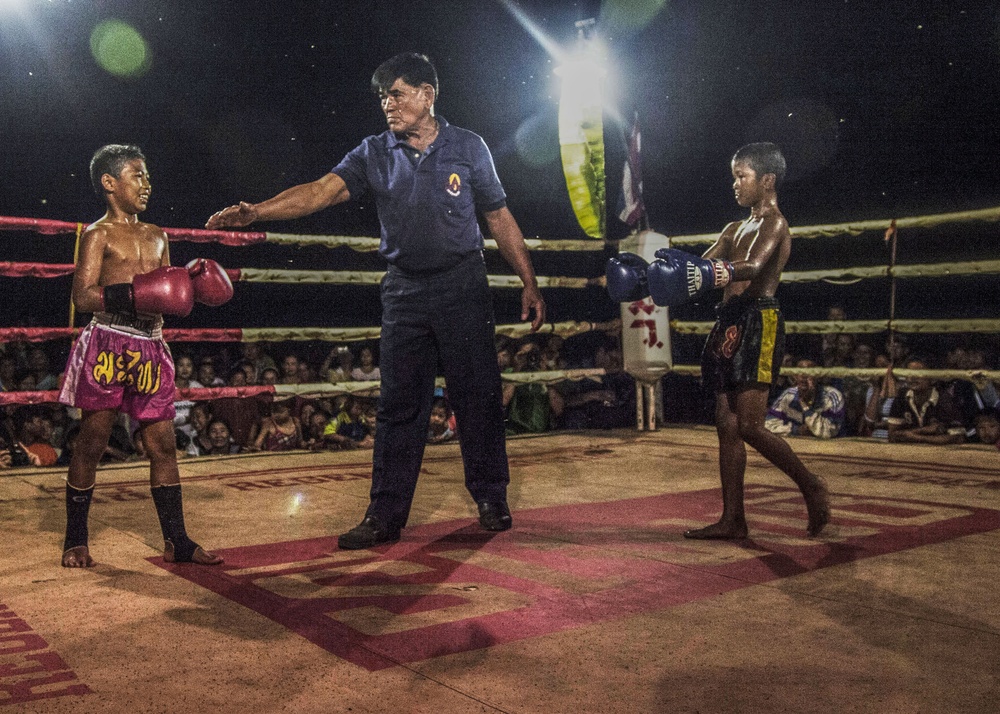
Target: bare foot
x,y
718,531
818,508
206,557
199,557
78,557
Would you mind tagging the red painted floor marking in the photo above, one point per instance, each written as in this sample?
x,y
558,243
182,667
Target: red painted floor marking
x,y
561,567
29,668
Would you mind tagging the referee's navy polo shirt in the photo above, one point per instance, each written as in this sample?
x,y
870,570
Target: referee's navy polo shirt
x,y
426,202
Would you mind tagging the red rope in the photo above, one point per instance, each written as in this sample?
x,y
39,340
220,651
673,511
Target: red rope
x,y
56,270
36,334
194,395
233,334
194,235
35,270
42,334
17,398
206,393
39,225
202,235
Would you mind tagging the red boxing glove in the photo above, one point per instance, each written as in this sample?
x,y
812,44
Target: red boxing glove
x,y
211,284
166,290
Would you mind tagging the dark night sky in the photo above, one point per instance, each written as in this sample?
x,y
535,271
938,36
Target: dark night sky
x,y
884,109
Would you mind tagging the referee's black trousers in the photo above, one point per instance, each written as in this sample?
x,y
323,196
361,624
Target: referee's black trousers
x,y
443,319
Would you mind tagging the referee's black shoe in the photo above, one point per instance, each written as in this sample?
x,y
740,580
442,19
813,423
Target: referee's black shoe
x,y
367,534
494,515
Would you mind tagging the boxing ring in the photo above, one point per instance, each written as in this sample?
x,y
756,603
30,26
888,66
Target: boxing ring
x,y
297,277
642,337
592,602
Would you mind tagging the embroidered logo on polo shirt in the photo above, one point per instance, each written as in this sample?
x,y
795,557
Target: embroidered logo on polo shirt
x,y
454,185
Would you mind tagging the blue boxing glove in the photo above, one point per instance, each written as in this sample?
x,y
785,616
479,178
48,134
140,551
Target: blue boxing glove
x,y
676,277
626,274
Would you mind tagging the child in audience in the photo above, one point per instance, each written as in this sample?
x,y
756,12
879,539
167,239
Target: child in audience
x,y
347,431
220,440
338,365
207,374
988,428
314,429
184,379
441,427
280,431
367,370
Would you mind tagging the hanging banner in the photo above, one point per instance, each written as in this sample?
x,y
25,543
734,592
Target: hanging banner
x,y
581,142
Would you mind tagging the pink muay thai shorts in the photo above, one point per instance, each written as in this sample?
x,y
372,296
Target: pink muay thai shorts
x,y
121,362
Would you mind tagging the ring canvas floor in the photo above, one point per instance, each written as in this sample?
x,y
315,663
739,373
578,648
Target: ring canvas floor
x,y
593,602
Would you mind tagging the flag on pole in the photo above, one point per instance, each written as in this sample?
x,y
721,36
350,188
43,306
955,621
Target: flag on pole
x,y
631,201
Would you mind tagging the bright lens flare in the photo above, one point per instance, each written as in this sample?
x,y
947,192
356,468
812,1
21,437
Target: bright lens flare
x,y
119,49
629,16
582,95
533,29
295,503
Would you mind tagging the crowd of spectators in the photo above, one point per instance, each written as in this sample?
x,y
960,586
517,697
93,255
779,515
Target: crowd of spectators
x,y
44,434
886,407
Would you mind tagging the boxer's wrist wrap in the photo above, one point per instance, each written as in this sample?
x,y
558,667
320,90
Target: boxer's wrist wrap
x,y
118,298
723,273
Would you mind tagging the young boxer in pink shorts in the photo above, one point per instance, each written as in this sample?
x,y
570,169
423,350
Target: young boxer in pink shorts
x,y
120,362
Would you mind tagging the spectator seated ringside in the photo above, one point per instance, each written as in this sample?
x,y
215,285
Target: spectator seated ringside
x,y
855,389
184,379
882,392
12,452
809,408
338,365
924,414
313,429
367,369
608,403
988,428
256,355
532,407
241,414
552,358
974,395
307,372
38,366
441,427
220,440
207,374
280,431
348,430
33,428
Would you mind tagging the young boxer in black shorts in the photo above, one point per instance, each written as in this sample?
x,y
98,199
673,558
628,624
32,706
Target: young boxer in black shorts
x,y
745,349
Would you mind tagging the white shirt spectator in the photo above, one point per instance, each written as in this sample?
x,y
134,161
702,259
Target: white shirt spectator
x,y
823,418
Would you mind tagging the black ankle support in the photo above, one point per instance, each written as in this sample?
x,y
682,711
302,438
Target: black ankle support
x,y
170,510
77,510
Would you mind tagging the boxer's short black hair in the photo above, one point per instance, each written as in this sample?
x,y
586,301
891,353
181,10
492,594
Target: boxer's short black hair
x,y
764,158
111,159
